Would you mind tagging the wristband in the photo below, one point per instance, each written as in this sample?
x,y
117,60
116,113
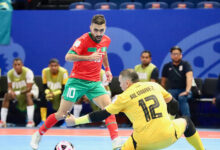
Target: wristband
x,y
107,68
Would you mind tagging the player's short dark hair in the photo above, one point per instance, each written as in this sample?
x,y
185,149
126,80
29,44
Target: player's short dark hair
x,y
175,48
146,51
17,59
54,60
131,74
98,19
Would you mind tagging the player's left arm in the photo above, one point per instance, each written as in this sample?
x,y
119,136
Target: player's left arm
x,y
172,103
189,78
107,68
29,81
114,108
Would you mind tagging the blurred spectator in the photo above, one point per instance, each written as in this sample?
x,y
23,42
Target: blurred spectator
x,y
5,21
146,70
5,5
54,78
179,74
0,76
104,81
21,88
77,107
216,99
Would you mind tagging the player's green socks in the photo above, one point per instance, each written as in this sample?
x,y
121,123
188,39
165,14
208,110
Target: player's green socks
x,y
195,141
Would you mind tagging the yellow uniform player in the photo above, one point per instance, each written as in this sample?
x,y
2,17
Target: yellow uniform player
x,y
145,105
22,90
54,78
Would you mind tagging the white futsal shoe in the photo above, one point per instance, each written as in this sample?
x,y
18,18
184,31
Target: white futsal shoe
x,y
3,124
30,124
36,137
117,143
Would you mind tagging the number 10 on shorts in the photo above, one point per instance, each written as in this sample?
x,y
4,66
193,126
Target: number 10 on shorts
x,y
71,92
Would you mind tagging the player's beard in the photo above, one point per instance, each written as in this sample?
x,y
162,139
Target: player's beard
x,y
98,38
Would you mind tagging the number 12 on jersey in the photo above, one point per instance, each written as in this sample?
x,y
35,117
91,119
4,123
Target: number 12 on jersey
x,y
149,112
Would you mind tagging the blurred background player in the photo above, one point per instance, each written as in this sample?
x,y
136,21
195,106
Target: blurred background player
x,y
105,82
21,87
54,78
89,53
179,75
146,70
144,103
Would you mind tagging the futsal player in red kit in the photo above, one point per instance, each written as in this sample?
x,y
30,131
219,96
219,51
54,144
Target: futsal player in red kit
x,y
88,53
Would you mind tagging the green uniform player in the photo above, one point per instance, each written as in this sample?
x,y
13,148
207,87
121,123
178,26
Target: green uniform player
x,y
89,53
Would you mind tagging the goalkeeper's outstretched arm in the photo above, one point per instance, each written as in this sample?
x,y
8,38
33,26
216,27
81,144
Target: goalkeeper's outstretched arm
x,y
89,118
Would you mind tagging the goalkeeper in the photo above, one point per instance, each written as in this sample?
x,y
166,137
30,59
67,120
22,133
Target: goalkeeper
x,y
54,78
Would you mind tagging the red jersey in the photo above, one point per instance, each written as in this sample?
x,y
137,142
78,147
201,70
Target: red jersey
x,y
85,45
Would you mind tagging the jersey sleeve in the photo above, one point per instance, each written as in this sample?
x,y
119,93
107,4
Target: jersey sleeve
x,y
135,68
77,46
30,76
44,78
164,92
117,106
164,71
155,74
8,78
65,77
188,67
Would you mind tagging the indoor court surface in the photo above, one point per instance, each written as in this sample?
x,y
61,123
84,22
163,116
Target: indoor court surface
x,y
89,139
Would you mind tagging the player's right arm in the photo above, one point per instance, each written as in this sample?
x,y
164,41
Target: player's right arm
x,y
44,81
76,51
10,90
71,56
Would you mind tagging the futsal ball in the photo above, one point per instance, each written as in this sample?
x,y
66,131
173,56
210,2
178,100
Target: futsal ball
x,y
64,145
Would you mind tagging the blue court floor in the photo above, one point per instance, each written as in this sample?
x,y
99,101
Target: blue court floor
x,y
48,142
